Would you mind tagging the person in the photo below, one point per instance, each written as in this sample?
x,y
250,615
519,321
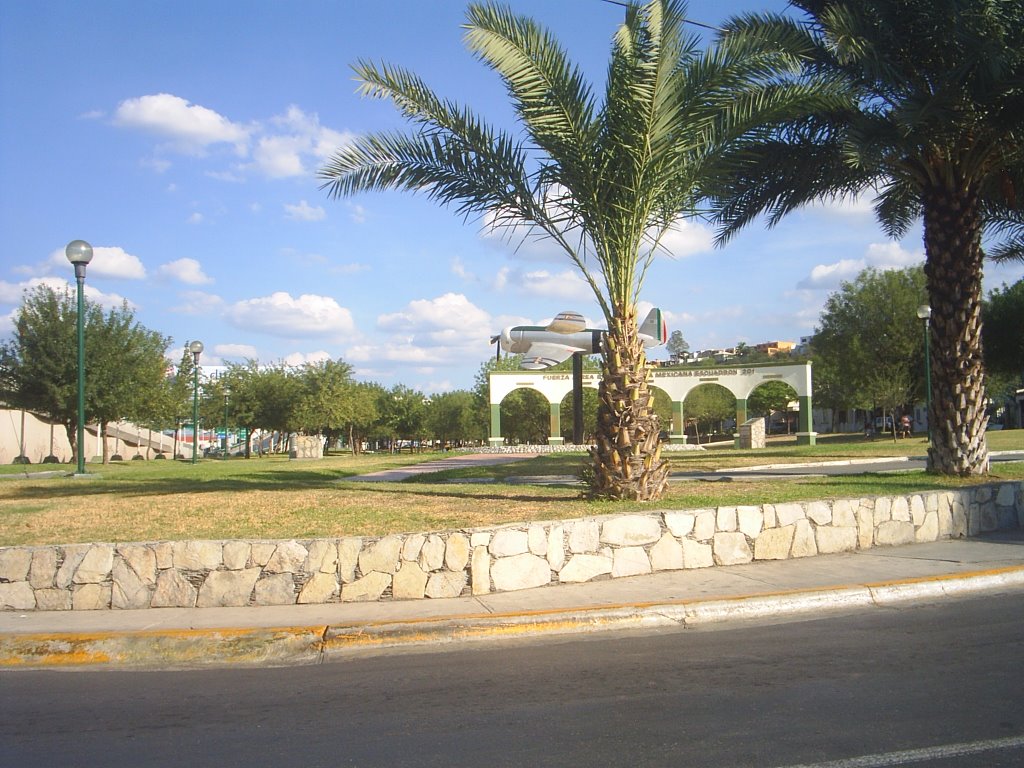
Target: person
x,y
905,426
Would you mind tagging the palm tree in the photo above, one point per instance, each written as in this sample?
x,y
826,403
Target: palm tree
x,y
932,123
603,181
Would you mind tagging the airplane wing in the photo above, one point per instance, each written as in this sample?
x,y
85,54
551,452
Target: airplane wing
x,y
542,355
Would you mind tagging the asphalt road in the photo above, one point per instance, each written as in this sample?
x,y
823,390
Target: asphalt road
x,y
936,686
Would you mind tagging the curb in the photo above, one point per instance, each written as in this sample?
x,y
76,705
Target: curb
x,y
285,646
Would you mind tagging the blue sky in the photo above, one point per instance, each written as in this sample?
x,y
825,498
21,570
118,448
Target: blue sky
x,y
181,139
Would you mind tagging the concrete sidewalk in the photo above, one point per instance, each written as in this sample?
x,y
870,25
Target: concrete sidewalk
x,y
309,634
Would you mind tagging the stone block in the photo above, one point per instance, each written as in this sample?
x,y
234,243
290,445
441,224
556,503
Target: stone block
x,y
348,558
44,567
929,528
164,551
127,589
52,600
917,510
275,589
667,554
480,538
704,525
774,543
14,563
369,587
1007,494
523,571
141,560
227,588
95,566
410,583
480,570
197,555
883,510
630,561
584,536
865,526
538,540
556,547
322,558
894,532
804,544
90,597
381,556
412,547
73,555
788,514
432,554
900,509
819,512
750,521
844,513
456,552
731,548
321,588
680,524
770,518
236,555
17,596
507,543
725,520
583,567
831,539
261,552
697,555
446,583
289,557
630,531
173,591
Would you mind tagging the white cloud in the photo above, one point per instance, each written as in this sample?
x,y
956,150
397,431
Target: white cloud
x,y
280,156
198,303
299,142
356,213
304,212
281,314
190,128
883,256
244,351
301,358
452,311
106,262
13,293
686,238
195,218
567,285
184,270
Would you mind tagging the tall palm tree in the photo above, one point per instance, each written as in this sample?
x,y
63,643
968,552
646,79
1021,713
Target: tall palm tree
x,y
603,181
933,124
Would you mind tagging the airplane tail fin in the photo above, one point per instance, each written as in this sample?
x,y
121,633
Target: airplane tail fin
x,y
654,329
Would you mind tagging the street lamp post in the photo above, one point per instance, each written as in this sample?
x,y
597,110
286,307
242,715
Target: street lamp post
x,y
196,348
226,394
924,312
79,253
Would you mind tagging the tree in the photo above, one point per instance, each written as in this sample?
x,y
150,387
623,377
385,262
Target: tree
x,y
326,405
402,412
124,362
771,397
707,406
870,342
449,418
677,346
919,102
1003,313
604,181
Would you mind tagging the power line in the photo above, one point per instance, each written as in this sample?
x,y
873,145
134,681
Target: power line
x,y
685,21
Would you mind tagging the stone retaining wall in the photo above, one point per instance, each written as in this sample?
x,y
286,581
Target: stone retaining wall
x,y
478,561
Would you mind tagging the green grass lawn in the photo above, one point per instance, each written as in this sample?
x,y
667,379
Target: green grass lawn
x,y
274,498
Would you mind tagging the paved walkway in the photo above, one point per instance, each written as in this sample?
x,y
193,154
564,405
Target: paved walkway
x,y
455,461
309,634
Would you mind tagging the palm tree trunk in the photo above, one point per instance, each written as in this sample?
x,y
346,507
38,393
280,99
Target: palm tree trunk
x,y
627,457
953,267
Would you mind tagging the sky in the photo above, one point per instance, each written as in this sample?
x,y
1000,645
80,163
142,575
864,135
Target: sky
x,y
182,140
